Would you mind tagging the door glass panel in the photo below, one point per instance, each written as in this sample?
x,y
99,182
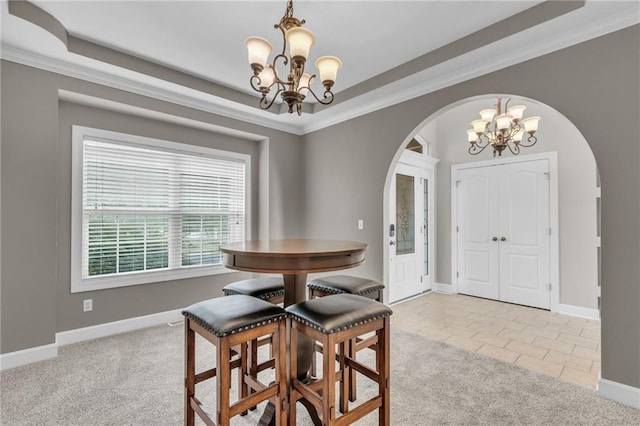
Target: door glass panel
x,y
425,227
405,214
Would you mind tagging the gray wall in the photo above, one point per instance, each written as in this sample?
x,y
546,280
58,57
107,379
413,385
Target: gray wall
x,y
320,184
36,157
576,188
346,167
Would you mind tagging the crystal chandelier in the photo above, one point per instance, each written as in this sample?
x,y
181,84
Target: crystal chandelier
x,y
502,127
297,84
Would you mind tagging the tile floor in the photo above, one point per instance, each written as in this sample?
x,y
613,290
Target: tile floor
x,y
554,344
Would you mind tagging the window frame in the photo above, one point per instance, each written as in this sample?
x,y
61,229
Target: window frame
x,y
80,284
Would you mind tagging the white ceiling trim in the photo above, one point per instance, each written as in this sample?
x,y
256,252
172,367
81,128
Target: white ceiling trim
x,y
214,104
106,104
471,65
474,64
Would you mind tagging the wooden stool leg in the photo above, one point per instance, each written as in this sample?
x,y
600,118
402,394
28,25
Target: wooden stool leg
x,y
189,373
329,379
253,363
351,345
279,346
242,385
383,356
344,379
224,381
293,369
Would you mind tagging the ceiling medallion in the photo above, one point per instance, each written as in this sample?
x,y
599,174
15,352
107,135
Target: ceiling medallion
x,y
297,84
502,127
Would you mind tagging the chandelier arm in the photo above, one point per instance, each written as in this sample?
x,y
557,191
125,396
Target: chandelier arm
x,y
326,100
255,83
478,147
285,62
531,141
515,150
266,104
280,26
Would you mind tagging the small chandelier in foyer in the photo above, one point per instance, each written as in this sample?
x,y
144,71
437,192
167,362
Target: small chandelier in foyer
x,y
297,83
502,127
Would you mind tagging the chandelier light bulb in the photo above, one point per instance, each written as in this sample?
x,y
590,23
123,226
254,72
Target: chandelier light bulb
x,y
488,114
300,41
259,50
472,137
518,136
531,124
328,69
516,111
503,122
479,126
267,77
303,85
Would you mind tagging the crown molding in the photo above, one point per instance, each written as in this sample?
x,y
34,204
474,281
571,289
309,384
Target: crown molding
x,y
464,67
175,94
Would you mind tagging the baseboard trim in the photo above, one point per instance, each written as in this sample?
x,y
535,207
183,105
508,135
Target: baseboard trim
x,y
578,311
28,356
619,392
443,288
116,327
41,353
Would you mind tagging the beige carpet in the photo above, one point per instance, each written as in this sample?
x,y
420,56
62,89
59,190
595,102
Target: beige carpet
x,y
136,379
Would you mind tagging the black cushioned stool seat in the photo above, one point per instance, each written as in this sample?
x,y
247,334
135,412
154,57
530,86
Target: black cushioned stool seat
x,y
233,321
336,284
266,288
338,320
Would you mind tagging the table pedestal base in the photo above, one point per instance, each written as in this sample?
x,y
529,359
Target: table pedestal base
x,y
295,290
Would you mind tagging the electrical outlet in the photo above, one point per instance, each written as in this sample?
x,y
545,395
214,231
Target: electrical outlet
x,y
360,223
87,305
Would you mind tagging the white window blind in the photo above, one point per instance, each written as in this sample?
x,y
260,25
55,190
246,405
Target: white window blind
x,y
150,209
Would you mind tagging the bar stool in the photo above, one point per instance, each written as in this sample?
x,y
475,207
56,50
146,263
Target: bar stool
x,y
336,320
270,289
338,284
233,321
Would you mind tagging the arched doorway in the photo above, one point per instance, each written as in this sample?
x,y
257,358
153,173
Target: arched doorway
x,y
578,288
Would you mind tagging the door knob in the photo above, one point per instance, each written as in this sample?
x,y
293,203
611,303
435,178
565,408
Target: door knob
x,y
503,239
392,243
495,238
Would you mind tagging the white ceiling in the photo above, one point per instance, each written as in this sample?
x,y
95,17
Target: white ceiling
x,y
205,39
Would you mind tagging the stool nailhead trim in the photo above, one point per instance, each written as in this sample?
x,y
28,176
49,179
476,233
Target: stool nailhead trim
x,y
264,296
210,329
334,290
346,327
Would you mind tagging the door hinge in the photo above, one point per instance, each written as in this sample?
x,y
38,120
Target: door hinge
x,y
420,278
458,274
457,229
549,286
549,231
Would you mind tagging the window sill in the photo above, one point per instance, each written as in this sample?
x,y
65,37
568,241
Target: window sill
x,y
136,278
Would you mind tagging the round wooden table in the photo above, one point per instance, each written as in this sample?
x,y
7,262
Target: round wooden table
x,y
294,259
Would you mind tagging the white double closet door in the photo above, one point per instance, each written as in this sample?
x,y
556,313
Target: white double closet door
x,y
503,232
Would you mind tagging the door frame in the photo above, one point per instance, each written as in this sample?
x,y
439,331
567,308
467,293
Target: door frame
x,y
425,169
554,249
428,163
